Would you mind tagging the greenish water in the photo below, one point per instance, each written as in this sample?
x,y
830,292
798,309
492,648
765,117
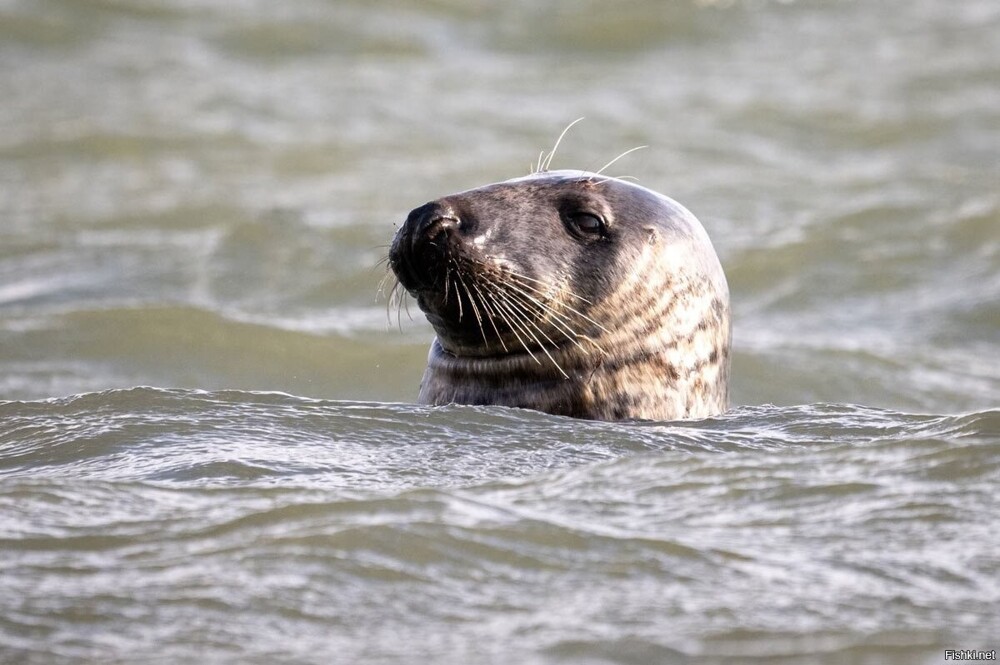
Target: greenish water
x,y
195,196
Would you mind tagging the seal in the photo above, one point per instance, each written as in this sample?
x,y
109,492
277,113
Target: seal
x,y
571,293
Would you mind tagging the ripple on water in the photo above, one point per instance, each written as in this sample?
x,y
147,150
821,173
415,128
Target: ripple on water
x,y
127,512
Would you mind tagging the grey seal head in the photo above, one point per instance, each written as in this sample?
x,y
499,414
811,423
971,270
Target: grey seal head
x,y
570,293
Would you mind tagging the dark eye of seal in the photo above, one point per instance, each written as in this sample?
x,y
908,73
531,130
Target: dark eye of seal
x,y
586,225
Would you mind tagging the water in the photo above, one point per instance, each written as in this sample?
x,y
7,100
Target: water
x,y
185,526
194,196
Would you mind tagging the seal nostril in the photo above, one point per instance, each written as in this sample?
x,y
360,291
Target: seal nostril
x,y
431,222
431,219
440,224
421,249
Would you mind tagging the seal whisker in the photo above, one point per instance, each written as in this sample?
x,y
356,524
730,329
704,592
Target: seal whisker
x,y
542,167
533,323
490,315
472,301
538,281
516,304
513,324
388,303
406,306
609,178
529,323
527,292
399,297
526,288
447,281
448,272
573,310
563,323
630,150
526,325
559,320
380,289
388,296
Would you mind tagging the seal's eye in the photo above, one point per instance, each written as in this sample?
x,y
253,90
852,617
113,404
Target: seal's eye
x,y
585,224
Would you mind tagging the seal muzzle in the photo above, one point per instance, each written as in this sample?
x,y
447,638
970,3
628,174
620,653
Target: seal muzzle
x,y
420,251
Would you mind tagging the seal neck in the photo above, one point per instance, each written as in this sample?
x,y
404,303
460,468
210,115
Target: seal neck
x,y
549,364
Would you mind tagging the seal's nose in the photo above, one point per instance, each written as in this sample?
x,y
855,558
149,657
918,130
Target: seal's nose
x,y
419,254
429,222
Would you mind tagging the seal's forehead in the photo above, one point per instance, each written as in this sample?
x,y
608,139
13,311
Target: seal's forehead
x,y
570,177
535,183
615,188
556,177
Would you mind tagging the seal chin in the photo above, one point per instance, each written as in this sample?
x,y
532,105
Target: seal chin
x,y
459,334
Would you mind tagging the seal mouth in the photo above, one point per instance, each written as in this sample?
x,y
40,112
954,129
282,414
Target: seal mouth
x,y
487,309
